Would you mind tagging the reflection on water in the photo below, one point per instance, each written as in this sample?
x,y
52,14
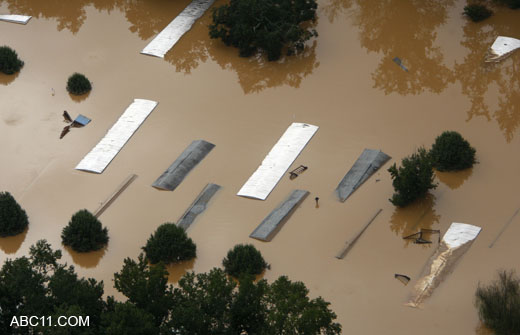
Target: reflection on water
x,y
86,259
410,219
11,244
255,73
79,98
405,29
6,79
69,14
334,8
454,180
478,79
176,271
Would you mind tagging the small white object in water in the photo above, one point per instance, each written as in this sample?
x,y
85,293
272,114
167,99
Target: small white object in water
x,y
501,48
22,19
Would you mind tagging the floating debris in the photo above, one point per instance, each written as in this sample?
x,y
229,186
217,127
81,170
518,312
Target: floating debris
x,y
22,19
502,48
190,157
418,237
105,204
365,166
66,117
296,172
317,204
398,61
402,278
65,131
350,243
81,121
277,161
274,221
504,228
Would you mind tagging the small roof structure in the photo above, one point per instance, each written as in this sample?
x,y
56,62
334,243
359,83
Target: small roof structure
x,y
501,48
82,120
274,221
14,18
366,165
190,157
198,206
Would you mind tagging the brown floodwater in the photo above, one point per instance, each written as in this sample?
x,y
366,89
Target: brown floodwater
x,y
345,82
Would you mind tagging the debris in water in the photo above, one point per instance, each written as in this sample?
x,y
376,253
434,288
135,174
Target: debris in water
x,y
67,117
80,121
348,245
296,172
398,61
104,205
317,204
501,48
65,131
402,278
22,19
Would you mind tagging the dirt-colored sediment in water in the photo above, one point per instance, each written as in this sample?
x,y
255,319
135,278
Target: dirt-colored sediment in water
x,y
346,83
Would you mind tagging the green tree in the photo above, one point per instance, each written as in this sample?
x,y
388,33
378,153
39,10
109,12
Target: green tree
x,y
244,259
477,12
202,302
248,312
126,318
291,311
84,232
451,152
499,304
9,61
78,84
264,25
145,286
37,285
413,178
13,219
169,244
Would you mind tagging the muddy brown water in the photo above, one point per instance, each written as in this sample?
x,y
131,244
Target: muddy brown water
x,y
345,82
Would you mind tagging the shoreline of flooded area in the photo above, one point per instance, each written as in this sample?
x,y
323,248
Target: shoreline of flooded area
x,y
346,82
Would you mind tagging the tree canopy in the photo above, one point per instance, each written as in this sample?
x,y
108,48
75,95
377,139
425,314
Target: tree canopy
x,y
451,152
244,259
413,178
499,304
13,219
78,84
169,244
202,304
84,232
9,61
264,25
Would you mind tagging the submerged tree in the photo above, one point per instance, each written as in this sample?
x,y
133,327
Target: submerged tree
x,y
477,12
451,152
264,25
13,219
244,259
84,232
169,244
78,84
9,61
499,304
413,179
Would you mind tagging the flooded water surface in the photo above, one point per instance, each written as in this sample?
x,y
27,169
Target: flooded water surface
x,y
346,82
